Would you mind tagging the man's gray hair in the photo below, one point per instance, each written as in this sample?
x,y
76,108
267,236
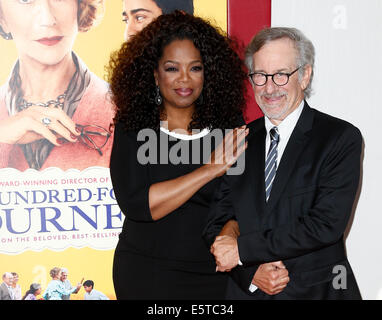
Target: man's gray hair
x,y
7,275
304,47
64,270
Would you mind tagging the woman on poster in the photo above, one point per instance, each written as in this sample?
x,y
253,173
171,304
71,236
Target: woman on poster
x,y
56,289
54,111
182,71
33,292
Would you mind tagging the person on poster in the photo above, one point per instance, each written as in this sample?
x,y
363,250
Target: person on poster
x,y
66,282
16,287
294,201
139,13
91,293
6,290
33,292
54,112
178,75
56,289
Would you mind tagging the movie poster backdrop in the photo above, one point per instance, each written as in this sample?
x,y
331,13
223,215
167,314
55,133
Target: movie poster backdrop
x,y
57,206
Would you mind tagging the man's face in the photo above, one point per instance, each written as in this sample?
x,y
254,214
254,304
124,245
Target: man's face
x,y
63,276
277,102
8,279
138,14
88,289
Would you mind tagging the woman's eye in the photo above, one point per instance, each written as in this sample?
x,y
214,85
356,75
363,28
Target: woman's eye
x,y
125,20
25,1
171,69
197,68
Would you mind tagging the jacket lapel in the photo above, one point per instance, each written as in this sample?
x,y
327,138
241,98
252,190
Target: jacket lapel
x,y
292,152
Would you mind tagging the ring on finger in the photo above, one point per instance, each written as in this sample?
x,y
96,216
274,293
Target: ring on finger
x,y
46,121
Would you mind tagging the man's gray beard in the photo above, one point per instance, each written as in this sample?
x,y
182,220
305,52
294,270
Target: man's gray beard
x,y
278,116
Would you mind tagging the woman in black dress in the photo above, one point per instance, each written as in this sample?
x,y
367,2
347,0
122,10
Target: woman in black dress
x,y
178,76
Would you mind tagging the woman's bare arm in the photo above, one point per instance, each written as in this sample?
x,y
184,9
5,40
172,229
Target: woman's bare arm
x,y
166,196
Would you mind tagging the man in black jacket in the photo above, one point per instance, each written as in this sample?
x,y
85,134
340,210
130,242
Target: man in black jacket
x,y
294,200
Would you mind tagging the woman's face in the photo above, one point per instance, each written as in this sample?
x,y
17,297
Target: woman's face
x,y
15,279
137,14
180,74
43,30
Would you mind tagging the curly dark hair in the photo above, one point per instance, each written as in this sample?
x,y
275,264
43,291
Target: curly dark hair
x,y
132,83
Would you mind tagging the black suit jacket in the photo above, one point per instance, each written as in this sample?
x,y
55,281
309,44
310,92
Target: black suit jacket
x,y
304,220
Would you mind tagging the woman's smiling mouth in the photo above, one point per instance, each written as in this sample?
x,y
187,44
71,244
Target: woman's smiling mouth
x,y
184,92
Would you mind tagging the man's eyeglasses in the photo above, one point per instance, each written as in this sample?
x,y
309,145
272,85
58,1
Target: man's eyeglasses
x,y
278,78
92,136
